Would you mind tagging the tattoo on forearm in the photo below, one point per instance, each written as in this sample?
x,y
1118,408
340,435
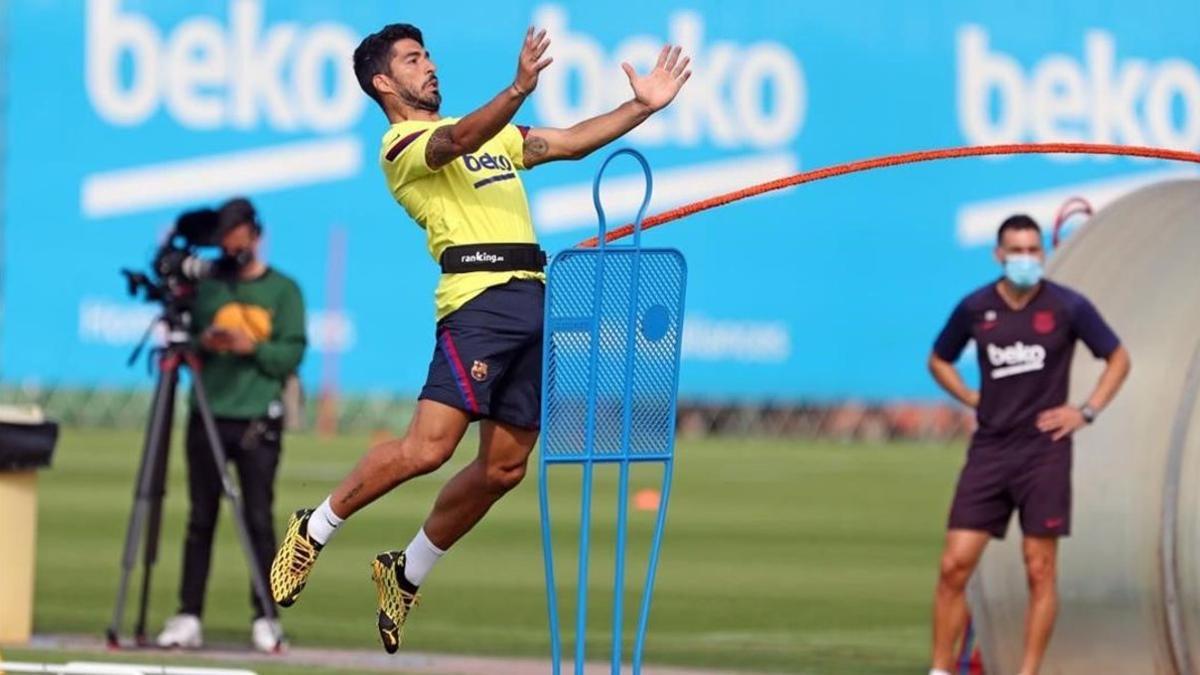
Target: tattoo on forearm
x,y
535,149
440,149
352,493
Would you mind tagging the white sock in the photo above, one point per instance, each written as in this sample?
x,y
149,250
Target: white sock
x,y
939,671
323,523
419,558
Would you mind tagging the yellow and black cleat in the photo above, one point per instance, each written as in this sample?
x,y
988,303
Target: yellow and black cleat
x,y
396,598
294,560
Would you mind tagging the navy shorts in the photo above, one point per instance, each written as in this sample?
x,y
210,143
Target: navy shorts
x,y
488,359
1029,474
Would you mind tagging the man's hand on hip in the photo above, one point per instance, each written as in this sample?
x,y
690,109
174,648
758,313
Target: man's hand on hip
x,y
1061,422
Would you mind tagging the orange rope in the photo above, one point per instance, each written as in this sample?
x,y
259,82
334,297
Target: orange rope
x,y
897,160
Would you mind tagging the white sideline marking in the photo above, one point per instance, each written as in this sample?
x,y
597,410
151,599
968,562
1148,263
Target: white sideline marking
x,y
89,668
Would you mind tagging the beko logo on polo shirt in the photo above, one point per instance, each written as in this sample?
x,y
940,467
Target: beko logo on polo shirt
x,y
1015,359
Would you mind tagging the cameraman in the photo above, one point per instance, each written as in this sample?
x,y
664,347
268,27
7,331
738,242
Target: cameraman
x,y
248,324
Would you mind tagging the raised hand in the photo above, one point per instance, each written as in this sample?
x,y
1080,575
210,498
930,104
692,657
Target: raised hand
x,y
659,88
530,63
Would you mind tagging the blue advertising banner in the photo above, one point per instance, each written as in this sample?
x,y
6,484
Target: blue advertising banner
x,y
124,113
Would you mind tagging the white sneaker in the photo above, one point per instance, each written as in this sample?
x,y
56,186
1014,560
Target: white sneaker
x,y
267,635
182,630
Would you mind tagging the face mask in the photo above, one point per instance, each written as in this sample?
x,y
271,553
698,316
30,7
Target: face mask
x,y
1024,271
229,265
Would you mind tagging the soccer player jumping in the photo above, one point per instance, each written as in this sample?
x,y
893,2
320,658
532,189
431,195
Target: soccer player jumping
x,y
1025,329
457,178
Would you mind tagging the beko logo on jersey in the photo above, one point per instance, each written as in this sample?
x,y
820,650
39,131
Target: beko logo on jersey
x,y
1015,359
476,163
487,161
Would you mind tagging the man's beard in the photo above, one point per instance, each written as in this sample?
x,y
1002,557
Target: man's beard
x,y
431,103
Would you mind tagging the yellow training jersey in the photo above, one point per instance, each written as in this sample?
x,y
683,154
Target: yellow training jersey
x,y
476,199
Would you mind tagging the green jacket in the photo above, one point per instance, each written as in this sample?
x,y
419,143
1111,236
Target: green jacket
x,y
269,308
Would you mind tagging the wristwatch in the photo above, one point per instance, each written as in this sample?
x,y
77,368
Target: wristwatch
x,y
1089,413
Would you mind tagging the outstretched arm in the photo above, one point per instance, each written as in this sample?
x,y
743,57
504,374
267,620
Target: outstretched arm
x,y
650,94
467,135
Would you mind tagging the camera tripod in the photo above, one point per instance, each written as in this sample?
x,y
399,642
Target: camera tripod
x,y
145,520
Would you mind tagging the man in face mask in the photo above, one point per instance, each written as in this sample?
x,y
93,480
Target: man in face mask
x,y
248,327
1025,329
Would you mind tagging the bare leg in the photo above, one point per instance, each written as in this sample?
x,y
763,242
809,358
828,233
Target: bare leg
x,y
1041,565
959,559
503,455
432,436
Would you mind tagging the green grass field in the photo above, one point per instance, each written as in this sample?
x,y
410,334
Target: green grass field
x,y
779,555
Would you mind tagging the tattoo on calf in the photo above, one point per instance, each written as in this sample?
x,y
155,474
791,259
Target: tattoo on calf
x,y
352,493
535,149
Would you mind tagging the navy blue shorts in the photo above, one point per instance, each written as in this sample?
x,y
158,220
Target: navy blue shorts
x,y
1031,475
488,360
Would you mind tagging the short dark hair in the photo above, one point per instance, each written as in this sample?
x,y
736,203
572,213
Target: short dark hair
x,y
235,212
373,53
1017,223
